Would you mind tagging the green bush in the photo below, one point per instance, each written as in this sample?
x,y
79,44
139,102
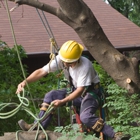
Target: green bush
x,y
122,108
10,75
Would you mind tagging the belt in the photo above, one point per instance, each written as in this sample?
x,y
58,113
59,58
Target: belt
x,y
90,88
96,86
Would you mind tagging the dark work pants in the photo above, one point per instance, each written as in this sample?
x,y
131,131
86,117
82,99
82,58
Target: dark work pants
x,y
88,106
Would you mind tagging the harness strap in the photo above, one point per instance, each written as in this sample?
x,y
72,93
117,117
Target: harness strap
x,y
78,119
95,96
44,106
77,116
92,90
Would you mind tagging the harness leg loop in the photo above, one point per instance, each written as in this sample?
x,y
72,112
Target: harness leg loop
x,y
44,106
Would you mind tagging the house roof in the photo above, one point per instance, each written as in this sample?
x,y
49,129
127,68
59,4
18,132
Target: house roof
x,y
31,34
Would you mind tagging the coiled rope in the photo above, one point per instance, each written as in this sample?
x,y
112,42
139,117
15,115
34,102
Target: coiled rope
x,y
24,103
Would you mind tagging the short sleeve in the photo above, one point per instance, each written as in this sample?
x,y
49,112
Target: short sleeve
x,y
53,65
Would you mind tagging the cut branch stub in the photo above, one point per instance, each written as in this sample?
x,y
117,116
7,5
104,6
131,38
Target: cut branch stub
x,y
128,80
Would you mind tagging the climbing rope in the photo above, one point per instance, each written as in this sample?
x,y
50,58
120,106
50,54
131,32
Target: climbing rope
x,y
53,47
48,29
16,47
24,102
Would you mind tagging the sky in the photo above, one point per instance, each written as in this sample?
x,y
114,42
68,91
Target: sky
x,y
106,1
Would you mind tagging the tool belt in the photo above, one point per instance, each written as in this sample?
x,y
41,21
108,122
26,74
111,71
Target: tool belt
x,y
98,125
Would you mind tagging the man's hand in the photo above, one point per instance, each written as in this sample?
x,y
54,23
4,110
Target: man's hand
x,y
20,87
57,103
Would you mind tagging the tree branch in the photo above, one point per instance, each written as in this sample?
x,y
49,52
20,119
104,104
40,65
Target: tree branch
x,y
39,5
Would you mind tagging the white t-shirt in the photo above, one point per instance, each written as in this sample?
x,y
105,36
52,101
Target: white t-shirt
x,y
82,74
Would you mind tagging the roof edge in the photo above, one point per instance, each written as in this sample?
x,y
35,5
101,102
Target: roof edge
x,y
128,48
119,48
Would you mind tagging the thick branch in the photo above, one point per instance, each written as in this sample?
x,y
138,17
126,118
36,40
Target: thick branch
x,y
39,5
68,10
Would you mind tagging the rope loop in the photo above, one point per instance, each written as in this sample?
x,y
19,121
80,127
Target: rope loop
x,y
24,101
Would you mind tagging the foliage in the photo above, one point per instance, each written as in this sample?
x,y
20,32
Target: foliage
x,y
123,109
71,132
9,67
129,8
10,75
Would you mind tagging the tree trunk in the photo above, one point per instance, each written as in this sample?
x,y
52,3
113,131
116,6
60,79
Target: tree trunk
x,y
76,14
25,135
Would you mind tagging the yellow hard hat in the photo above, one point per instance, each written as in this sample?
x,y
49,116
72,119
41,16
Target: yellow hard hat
x,y
70,51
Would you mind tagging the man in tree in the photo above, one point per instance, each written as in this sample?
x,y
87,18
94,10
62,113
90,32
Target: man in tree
x,y
85,93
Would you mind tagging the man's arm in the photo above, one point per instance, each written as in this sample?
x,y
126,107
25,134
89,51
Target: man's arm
x,y
36,75
78,92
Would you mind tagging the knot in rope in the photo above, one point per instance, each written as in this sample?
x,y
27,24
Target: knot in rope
x,y
23,101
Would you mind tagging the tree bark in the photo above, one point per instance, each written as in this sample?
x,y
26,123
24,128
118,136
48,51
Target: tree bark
x,y
25,135
31,135
78,15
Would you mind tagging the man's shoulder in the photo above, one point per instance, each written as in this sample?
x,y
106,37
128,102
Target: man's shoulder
x,y
85,60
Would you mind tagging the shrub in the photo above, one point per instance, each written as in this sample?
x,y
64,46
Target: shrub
x,y
10,75
122,109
